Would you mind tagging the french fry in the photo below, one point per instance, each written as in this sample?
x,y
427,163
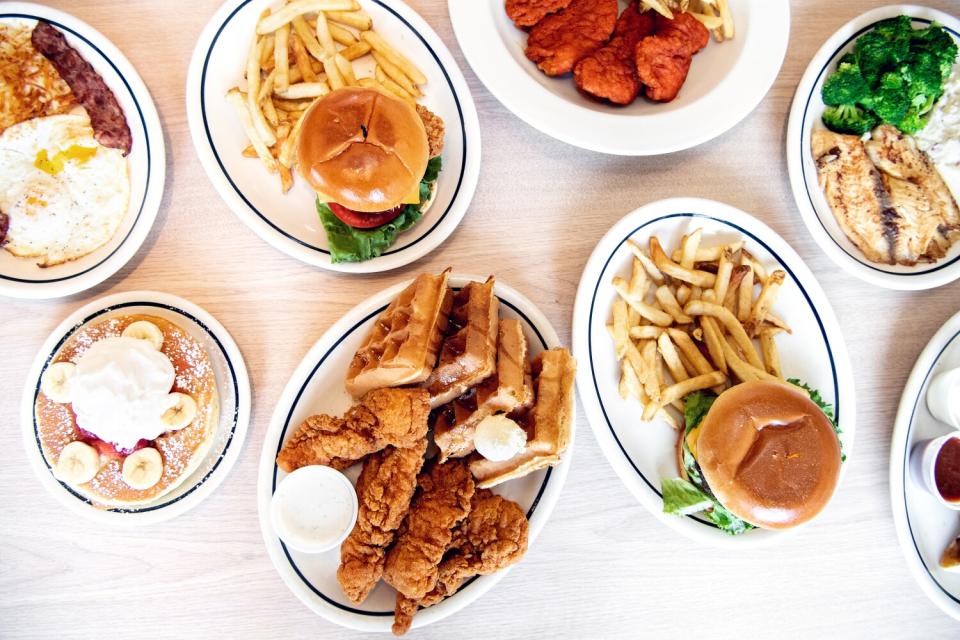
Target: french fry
x,y
651,313
346,70
302,59
324,37
645,332
759,272
308,38
341,35
709,254
671,358
630,383
699,383
683,341
683,293
355,51
670,304
745,295
659,7
728,28
249,152
380,45
674,270
733,288
743,370
281,57
356,19
644,373
713,338
620,329
730,323
647,263
241,105
291,105
266,52
253,90
768,294
271,115
391,86
639,282
724,270
297,8
285,156
286,178
303,90
395,73
688,248
266,87
771,357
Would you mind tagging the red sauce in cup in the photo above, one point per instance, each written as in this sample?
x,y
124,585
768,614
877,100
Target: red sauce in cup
x,y
946,470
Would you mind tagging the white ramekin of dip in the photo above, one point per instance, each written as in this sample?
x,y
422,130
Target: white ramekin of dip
x,y
923,467
943,397
314,509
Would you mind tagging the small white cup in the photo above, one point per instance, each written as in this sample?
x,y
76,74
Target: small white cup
x,y
923,460
312,495
943,397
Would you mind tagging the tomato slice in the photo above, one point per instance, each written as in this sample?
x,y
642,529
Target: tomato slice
x,y
362,220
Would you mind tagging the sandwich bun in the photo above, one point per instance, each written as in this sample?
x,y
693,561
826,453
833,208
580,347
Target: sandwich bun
x,y
363,149
769,454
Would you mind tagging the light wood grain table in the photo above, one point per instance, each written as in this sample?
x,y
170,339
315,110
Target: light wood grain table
x,y
603,566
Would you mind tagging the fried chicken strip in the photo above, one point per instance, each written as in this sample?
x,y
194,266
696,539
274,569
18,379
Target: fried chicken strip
x,y
493,537
384,490
435,129
610,72
442,502
526,13
663,59
396,417
561,40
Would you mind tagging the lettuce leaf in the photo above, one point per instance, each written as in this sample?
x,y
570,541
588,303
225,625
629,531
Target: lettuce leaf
x,y
695,407
349,244
682,498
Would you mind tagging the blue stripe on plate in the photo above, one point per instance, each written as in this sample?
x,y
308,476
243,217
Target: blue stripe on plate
x,y
146,136
226,174
602,278
804,147
233,380
906,465
293,406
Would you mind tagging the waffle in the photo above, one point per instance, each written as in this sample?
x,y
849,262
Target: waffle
x,y
182,451
509,389
548,423
402,347
469,352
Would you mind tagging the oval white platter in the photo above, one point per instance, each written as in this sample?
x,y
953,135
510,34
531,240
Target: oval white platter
x,y
643,453
317,386
21,277
805,118
924,527
289,222
232,382
726,81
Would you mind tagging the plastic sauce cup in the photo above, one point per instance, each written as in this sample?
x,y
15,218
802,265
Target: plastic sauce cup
x,y
314,509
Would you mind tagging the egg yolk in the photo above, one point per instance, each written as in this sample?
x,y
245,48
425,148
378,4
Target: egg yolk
x,y
54,165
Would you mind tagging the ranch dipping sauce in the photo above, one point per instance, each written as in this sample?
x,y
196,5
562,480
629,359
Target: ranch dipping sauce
x,y
941,137
313,509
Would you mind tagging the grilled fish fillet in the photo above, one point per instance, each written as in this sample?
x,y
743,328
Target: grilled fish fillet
x,y
511,387
548,423
918,193
469,352
402,346
856,195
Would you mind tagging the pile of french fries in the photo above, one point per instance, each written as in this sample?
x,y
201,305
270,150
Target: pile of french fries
x,y
696,312
713,14
301,51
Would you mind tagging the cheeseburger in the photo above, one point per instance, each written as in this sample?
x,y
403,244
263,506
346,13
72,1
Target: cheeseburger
x,y
373,160
761,454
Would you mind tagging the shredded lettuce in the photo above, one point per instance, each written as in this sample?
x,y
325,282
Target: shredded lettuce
x,y
349,244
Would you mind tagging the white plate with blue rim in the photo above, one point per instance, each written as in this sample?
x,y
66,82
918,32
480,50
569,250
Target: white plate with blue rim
x,y
924,526
317,386
726,82
805,118
22,277
644,453
289,222
233,386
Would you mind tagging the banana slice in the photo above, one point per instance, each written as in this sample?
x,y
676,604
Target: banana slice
x,y
56,381
78,463
144,330
182,413
142,468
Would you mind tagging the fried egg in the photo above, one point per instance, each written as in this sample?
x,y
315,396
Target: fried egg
x,y
64,194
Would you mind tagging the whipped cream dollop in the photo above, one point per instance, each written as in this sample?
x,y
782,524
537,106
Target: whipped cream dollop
x,y
121,389
499,438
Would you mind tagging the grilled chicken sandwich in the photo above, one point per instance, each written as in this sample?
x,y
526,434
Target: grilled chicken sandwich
x,y
373,160
761,454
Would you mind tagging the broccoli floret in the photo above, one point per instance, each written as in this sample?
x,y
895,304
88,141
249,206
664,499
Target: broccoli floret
x,y
849,118
844,86
937,42
914,121
924,84
879,52
895,28
890,100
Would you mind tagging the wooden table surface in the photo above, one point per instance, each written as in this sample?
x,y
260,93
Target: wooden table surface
x,y
603,566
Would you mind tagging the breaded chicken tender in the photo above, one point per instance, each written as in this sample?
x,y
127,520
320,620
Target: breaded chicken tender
x,y
435,129
561,40
395,417
526,13
610,72
663,59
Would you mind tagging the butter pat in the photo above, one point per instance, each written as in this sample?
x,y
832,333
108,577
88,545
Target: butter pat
x,y
499,438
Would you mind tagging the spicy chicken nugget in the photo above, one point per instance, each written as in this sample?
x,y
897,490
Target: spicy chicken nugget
x,y
526,13
664,58
561,40
610,73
